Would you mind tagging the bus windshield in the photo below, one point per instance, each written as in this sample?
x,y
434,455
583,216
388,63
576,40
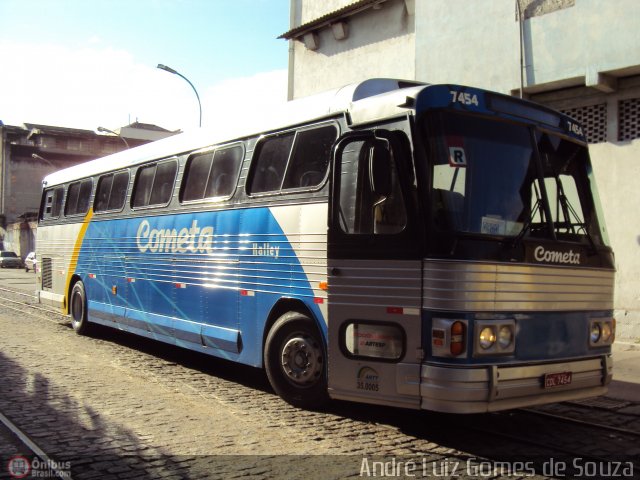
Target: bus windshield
x,y
496,178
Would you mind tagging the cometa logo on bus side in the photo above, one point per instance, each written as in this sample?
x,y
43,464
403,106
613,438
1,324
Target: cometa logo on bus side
x,y
172,240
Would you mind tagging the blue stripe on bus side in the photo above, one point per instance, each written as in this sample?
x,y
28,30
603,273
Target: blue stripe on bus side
x,y
178,277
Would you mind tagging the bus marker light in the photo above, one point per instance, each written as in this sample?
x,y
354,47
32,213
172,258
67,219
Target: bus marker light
x,y
247,293
181,285
323,286
318,300
456,346
131,280
92,275
438,337
395,310
114,290
606,331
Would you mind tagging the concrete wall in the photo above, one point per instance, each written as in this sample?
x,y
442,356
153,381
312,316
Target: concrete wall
x,y
617,169
308,11
470,43
24,187
477,43
380,44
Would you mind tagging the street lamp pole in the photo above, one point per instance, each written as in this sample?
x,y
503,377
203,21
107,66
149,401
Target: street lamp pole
x,y
171,70
106,130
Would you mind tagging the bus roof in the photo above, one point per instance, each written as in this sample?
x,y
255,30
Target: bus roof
x,y
315,107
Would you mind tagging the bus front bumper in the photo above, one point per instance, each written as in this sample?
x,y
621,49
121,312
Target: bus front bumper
x,y
493,388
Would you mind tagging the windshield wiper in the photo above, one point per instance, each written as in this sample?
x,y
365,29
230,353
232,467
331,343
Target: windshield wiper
x,y
527,225
568,211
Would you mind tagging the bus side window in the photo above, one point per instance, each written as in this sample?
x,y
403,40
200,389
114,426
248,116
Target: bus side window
x,y
224,172
292,160
195,177
269,164
52,203
78,196
163,183
85,196
310,158
102,193
154,184
143,185
212,174
118,191
111,192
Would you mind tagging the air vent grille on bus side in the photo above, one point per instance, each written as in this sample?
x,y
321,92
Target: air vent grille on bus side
x,y
46,273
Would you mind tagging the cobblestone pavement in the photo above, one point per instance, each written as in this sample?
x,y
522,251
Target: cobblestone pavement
x,y
115,406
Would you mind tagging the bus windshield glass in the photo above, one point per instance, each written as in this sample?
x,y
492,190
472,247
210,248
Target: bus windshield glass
x,y
504,179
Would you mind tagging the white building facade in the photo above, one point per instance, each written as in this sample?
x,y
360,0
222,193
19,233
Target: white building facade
x,y
578,56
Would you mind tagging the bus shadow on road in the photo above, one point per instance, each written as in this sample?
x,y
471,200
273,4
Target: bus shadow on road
x,y
245,375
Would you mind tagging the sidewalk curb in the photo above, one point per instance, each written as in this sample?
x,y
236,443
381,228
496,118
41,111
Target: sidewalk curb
x,y
628,345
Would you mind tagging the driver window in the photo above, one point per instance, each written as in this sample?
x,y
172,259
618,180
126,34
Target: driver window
x,y
363,211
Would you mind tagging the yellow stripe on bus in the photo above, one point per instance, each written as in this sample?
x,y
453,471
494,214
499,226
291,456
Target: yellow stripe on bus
x,y
74,256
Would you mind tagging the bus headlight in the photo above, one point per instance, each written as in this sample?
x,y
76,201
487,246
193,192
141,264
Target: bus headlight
x,y
494,337
596,332
505,336
487,337
602,332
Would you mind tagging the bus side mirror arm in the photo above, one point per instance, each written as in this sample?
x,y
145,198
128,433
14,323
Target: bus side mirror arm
x,y
380,168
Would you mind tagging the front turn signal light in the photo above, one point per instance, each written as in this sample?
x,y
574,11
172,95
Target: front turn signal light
x,y
458,334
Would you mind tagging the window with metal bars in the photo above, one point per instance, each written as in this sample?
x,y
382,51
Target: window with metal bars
x,y
593,119
629,119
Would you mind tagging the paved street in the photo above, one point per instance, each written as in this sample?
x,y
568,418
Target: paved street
x,y
117,406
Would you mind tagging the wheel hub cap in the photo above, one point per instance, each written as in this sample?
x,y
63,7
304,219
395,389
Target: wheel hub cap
x,y
302,359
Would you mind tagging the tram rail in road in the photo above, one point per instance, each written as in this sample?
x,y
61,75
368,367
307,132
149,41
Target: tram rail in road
x,y
29,457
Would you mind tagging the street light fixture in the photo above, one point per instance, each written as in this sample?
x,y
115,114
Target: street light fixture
x,y
171,70
106,130
38,157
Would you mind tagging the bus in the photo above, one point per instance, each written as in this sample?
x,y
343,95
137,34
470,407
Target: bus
x,y
391,242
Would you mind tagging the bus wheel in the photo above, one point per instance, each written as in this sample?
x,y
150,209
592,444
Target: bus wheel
x,y
78,308
295,361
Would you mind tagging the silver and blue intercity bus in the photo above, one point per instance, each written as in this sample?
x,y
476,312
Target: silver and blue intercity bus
x,y
424,246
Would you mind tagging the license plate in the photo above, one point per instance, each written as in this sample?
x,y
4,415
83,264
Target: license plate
x,y
557,379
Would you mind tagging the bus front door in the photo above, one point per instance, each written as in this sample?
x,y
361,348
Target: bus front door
x,y
374,272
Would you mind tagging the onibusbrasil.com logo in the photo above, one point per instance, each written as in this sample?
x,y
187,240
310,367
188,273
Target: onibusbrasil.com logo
x,y
20,466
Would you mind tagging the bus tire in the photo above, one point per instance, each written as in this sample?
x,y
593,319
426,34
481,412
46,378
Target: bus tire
x,y
295,361
78,309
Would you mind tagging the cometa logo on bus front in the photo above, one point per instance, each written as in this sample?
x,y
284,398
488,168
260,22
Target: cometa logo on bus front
x,y
543,255
172,240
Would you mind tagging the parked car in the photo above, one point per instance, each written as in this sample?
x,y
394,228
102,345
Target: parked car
x,y
31,262
10,260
